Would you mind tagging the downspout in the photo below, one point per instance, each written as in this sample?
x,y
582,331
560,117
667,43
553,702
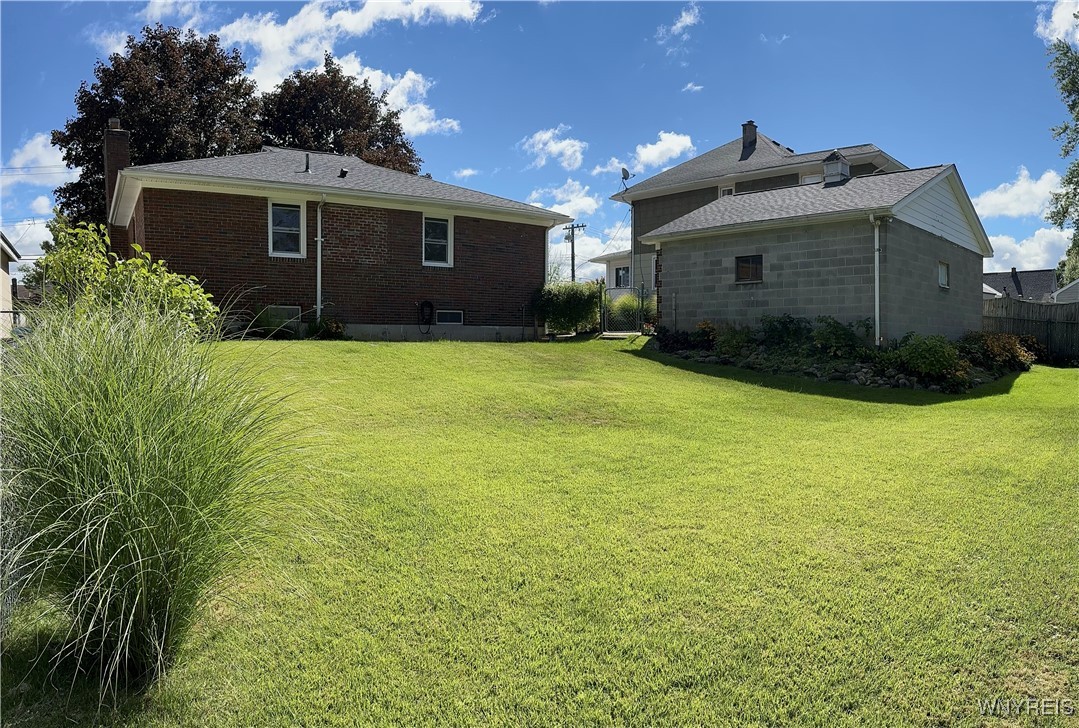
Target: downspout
x,y
876,278
318,261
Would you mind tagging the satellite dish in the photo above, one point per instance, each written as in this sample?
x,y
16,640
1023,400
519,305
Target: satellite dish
x,y
625,174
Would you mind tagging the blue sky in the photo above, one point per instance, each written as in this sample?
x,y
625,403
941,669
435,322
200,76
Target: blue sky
x,y
544,101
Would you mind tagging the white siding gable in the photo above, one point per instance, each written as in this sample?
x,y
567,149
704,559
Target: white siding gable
x,y
936,208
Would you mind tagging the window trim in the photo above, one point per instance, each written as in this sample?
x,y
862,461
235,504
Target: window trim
x,y
450,323
302,204
749,280
449,240
726,192
943,267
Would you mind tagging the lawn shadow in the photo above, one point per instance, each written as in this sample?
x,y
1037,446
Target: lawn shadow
x,y
835,390
42,684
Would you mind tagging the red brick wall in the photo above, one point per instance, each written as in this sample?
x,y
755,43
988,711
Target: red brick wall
x,y
372,271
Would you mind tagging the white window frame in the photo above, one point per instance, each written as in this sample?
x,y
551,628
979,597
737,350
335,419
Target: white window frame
x,y
628,281
449,240
812,179
726,191
302,204
944,274
449,323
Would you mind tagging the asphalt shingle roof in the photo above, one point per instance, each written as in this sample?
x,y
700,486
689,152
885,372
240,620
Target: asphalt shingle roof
x,y
729,159
857,193
1029,285
277,165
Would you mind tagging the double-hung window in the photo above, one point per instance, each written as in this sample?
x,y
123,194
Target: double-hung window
x,y
286,223
943,277
438,241
749,269
621,277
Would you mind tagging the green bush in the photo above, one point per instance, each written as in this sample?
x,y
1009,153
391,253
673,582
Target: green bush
x,y
704,337
731,340
996,351
627,307
785,332
929,356
140,469
567,307
839,340
326,329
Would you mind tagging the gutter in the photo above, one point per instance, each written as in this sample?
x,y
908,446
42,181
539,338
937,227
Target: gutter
x,y
875,222
318,262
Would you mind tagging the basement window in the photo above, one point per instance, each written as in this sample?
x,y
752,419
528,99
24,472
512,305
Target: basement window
x,y
438,241
287,223
749,269
943,278
449,317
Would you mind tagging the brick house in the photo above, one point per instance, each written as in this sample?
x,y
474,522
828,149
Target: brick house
x,y
753,228
305,234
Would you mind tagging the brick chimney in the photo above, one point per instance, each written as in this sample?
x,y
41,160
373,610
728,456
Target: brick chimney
x,y
117,146
749,136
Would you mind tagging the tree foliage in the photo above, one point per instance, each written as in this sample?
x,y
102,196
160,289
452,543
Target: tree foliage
x,y
182,97
330,111
1064,208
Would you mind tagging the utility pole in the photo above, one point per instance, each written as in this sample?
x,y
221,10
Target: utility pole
x,y
573,247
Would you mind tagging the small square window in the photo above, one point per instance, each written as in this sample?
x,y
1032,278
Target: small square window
x,y
286,230
942,275
437,241
749,269
726,192
621,277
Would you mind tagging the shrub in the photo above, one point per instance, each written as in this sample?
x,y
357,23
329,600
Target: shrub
x,y
785,331
995,351
704,337
839,340
569,307
929,356
326,329
627,307
731,340
142,465
668,340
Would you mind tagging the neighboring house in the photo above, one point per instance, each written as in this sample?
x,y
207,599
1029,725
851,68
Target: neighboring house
x,y
8,255
1067,294
989,292
390,255
1027,285
618,266
753,228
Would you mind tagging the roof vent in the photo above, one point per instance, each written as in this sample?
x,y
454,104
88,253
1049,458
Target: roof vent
x,y
307,162
343,173
836,168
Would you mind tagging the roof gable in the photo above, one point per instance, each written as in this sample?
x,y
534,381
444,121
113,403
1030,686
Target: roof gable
x,y
943,208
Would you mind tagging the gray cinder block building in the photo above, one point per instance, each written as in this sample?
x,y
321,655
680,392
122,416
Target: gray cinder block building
x,y
753,228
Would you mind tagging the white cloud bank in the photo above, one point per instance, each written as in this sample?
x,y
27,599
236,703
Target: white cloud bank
x,y
1057,22
571,199
1022,197
668,146
550,144
37,163
406,93
1043,249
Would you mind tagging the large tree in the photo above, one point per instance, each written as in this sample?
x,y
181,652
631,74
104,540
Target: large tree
x,y
180,95
1064,210
330,111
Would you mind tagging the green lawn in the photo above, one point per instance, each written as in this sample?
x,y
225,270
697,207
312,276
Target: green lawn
x,y
581,533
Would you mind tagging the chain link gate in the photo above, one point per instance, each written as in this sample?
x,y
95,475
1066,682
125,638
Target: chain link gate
x,y
621,312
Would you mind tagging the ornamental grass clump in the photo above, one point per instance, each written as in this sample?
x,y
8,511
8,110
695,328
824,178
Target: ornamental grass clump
x,y
139,467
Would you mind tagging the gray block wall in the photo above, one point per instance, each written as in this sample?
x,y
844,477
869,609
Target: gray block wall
x,y
911,297
658,211
824,270
808,271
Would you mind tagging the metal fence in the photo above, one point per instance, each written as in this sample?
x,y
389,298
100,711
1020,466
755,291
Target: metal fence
x,y
1054,325
625,310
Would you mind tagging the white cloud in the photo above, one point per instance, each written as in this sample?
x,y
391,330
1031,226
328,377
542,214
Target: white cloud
x,y
549,143
1059,23
41,205
301,40
27,235
465,173
670,146
37,163
778,39
406,93
571,199
690,16
1043,249
181,13
692,87
1022,197
614,164
106,40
